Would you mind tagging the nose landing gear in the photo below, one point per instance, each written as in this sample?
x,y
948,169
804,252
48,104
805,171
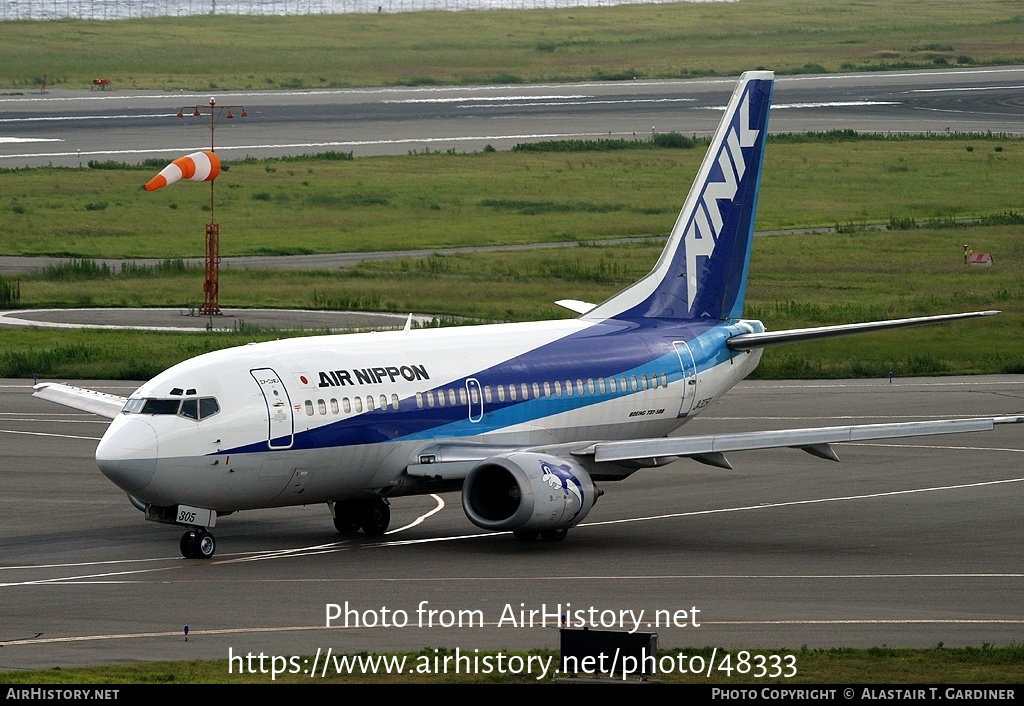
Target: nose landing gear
x,y
198,544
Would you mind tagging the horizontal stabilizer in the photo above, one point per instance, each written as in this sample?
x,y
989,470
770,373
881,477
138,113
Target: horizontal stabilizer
x,y
100,403
707,445
746,341
575,305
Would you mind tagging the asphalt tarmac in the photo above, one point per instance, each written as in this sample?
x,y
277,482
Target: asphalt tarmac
x,y
69,128
905,543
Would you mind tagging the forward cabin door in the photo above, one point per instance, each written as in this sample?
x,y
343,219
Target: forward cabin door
x,y
280,422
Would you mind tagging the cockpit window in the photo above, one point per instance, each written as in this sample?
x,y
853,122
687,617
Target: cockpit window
x,y
208,407
196,409
160,407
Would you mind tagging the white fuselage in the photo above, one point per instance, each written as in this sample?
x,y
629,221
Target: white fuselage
x,y
315,419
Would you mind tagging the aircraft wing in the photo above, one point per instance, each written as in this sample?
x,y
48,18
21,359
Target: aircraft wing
x,y
710,448
455,461
100,403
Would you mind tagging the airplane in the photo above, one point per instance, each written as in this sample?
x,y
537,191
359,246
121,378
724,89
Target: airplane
x,y
526,419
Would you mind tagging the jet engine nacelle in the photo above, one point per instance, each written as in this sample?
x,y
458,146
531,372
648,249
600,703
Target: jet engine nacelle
x,y
527,491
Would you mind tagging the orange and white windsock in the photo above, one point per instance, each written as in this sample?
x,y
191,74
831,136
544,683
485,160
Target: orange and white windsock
x,y
198,166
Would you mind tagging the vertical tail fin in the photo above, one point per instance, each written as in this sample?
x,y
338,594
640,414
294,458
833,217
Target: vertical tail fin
x,y
702,273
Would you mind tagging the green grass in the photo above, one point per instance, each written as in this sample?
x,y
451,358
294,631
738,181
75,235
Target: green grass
x,y
448,200
435,201
796,280
505,46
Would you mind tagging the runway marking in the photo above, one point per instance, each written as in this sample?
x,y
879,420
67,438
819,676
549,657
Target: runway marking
x,y
829,104
965,88
52,118
593,101
59,421
42,433
330,547
16,140
791,503
696,513
439,505
466,99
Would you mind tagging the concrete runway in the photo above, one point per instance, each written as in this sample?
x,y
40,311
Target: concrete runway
x,y
71,127
910,543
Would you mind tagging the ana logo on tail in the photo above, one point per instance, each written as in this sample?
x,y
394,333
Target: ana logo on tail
x,y
704,228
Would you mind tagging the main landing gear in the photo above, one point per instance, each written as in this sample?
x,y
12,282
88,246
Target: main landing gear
x,y
368,512
198,543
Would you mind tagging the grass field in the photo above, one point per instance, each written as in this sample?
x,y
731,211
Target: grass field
x,y
505,46
440,200
445,200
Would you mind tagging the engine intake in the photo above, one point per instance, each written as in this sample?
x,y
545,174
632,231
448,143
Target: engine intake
x,y
527,491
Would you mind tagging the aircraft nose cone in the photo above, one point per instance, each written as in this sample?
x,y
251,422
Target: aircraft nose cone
x,y
127,453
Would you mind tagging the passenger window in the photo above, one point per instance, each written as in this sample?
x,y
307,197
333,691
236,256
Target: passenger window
x,y
525,389
590,385
622,384
190,409
322,406
501,393
369,403
643,380
558,389
547,389
664,380
309,407
440,398
611,384
487,394
394,401
474,395
419,400
568,387
634,383
600,385
334,406
383,401
359,404
536,390
512,393
462,396
451,396
430,399
579,387
346,405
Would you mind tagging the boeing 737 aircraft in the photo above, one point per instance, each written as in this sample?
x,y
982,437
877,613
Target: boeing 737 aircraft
x,y
527,419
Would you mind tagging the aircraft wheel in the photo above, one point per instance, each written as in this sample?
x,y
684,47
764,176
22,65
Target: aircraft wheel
x,y
188,545
206,545
346,519
374,516
554,535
